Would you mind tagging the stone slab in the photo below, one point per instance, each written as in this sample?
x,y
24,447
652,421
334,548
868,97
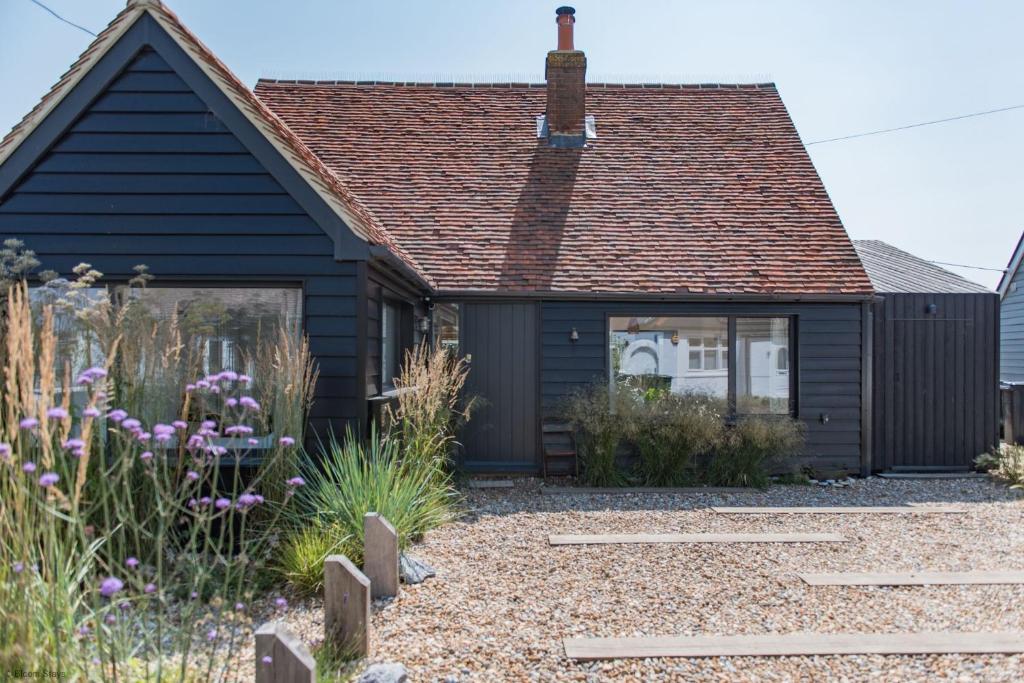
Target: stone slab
x,y
795,644
624,539
913,578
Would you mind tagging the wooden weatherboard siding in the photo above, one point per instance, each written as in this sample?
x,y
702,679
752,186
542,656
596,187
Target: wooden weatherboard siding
x,y
1011,332
936,389
828,361
149,174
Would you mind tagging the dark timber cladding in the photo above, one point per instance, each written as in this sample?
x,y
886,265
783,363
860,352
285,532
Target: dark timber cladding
x,y
501,340
149,174
936,389
828,362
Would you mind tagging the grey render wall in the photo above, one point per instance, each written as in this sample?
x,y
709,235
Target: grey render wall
x,y
149,175
1011,331
828,362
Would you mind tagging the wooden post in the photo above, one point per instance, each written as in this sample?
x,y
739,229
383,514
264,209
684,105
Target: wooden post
x,y
281,657
346,606
380,555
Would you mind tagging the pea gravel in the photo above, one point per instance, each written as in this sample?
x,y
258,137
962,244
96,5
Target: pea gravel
x,y
503,599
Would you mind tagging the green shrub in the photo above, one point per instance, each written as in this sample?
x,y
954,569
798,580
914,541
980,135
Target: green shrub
x,y
600,427
353,479
1005,464
300,559
751,448
670,432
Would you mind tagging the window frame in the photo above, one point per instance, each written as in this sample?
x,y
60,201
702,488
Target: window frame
x,y
388,383
733,353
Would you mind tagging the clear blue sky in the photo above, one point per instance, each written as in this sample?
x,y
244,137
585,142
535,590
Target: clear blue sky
x,y
950,192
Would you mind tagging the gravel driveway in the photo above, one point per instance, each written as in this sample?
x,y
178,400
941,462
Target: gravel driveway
x,y
503,598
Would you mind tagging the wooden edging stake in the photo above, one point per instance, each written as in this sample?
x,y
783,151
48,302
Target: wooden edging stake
x,y
346,606
281,657
380,555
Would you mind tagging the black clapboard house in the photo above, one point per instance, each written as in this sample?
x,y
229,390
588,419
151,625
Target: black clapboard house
x,y
555,233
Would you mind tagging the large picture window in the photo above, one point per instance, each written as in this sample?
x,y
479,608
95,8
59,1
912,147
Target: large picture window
x,y
682,355
693,355
225,323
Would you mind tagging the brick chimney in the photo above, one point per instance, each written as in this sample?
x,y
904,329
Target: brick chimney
x,y
565,71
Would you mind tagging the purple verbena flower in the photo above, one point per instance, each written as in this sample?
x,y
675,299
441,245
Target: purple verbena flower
x,y
92,411
110,586
163,438
131,423
211,634
72,444
146,455
280,603
286,441
239,606
95,372
267,660
244,379
253,442
18,567
202,384
237,430
5,450
160,428
189,388
149,588
222,503
179,424
296,481
28,423
78,452
205,500
132,562
247,500
229,375
117,415
56,413
231,402
84,630
110,619
214,389
249,402
48,479
125,606
192,475
207,424
29,467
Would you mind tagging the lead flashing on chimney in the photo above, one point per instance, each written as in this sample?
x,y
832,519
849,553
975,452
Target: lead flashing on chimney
x,y
590,133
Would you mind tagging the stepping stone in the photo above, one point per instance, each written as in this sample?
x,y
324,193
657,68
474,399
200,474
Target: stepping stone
x,y
914,578
841,510
932,475
795,644
490,483
621,539
630,490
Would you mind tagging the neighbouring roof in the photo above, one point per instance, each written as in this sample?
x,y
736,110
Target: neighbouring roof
x,y
893,270
685,190
327,185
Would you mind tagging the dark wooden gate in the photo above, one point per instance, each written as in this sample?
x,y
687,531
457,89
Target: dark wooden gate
x,y
935,385
501,341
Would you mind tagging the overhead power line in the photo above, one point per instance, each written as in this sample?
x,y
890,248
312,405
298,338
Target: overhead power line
x,y
66,21
960,265
917,125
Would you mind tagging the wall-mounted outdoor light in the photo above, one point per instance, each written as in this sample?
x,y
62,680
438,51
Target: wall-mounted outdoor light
x,y
931,309
675,339
424,325
574,336
824,418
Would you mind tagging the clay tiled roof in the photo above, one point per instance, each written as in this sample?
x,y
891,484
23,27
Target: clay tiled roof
x,y
355,214
686,190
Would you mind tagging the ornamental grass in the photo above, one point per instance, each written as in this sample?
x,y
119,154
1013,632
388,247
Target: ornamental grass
x,y
131,545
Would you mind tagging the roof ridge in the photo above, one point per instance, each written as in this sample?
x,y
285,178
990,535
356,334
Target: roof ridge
x,y
515,84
